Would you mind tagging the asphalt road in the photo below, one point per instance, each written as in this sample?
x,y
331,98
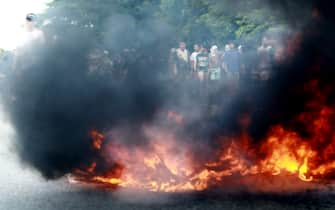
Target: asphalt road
x,y
21,188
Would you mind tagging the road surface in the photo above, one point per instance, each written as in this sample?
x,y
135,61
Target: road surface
x,y
21,188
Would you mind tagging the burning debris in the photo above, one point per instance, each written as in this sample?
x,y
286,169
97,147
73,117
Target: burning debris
x,y
71,119
296,139
169,165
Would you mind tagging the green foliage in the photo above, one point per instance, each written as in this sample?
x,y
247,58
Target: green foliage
x,y
205,21
221,20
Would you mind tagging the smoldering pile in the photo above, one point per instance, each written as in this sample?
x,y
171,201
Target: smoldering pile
x,y
58,101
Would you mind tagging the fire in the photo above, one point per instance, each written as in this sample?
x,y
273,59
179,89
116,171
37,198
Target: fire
x,y
166,163
97,139
170,167
287,154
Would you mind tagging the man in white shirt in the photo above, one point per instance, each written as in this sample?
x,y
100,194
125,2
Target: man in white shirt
x,y
29,38
193,57
31,34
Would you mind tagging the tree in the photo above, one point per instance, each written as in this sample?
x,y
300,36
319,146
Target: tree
x,y
205,21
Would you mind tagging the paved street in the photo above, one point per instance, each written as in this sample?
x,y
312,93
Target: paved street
x,y
23,189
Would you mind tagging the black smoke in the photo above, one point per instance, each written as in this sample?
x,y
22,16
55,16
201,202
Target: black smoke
x,y
280,100
57,101
60,97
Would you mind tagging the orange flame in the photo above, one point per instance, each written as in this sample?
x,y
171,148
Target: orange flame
x,y
97,139
170,165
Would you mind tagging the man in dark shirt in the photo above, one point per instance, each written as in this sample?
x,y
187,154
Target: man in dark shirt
x,y
232,61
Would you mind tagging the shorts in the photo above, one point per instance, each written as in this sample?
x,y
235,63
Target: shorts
x,y
215,74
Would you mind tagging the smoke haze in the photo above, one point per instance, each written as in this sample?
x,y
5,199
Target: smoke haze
x,y
57,101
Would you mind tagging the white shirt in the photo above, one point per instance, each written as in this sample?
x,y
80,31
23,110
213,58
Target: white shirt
x,y
193,59
29,37
193,56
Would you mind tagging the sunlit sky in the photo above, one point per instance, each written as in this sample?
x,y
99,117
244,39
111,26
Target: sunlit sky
x,y
12,18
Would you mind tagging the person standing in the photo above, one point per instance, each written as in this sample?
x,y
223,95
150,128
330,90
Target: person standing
x,y
202,67
193,57
265,59
202,64
30,39
182,60
232,62
214,63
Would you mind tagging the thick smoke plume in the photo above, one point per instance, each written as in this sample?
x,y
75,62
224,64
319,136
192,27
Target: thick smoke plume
x,y
55,103
309,58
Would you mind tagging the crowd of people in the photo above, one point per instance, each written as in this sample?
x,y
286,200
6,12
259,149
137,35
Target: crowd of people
x,y
208,68
231,63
